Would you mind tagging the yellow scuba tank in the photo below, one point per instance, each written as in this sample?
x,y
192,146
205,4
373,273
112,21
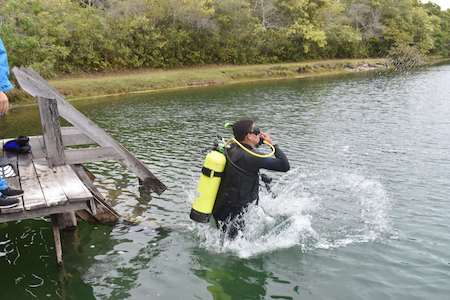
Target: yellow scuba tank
x,y
208,186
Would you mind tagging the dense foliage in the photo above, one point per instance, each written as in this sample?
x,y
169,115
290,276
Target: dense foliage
x,y
55,36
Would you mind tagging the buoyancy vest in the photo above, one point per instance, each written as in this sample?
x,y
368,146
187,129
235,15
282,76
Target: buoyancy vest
x,y
239,186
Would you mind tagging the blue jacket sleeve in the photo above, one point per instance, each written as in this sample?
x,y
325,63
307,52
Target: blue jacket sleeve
x,y
5,84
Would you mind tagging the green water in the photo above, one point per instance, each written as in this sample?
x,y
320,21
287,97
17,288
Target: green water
x,y
363,213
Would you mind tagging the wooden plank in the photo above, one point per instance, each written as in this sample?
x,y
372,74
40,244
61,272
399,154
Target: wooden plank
x,y
87,217
53,193
80,156
85,177
51,131
75,156
72,186
70,130
33,196
93,206
37,146
32,84
72,136
42,212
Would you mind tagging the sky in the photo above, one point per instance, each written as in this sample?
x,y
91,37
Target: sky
x,y
444,4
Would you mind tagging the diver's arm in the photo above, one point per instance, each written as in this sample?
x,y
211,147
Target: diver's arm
x,y
278,163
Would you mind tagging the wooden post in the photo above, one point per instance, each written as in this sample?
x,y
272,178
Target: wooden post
x,y
67,221
54,148
51,131
57,238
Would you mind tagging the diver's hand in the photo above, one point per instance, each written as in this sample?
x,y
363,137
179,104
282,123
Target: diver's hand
x,y
266,137
4,103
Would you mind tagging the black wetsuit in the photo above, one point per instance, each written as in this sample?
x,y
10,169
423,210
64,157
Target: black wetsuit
x,y
240,184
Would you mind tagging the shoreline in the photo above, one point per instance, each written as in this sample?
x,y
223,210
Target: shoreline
x,y
94,86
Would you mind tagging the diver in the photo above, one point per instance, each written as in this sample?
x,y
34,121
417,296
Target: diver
x,y
240,181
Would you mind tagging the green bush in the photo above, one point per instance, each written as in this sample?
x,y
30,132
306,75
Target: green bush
x,y
404,57
70,36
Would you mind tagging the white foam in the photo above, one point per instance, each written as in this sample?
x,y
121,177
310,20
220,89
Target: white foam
x,y
311,210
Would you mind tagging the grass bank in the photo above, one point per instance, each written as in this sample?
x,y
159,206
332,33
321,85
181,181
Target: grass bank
x,y
144,81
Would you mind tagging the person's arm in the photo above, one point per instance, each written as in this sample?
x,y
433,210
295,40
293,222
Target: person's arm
x,y
279,163
5,84
4,103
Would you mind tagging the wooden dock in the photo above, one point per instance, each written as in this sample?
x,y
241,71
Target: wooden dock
x,y
55,182
47,190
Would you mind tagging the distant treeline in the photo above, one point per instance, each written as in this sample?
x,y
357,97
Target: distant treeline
x,y
66,36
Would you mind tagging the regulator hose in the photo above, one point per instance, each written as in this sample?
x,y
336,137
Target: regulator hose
x,y
233,140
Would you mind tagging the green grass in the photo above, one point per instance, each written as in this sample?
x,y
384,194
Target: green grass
x,y
143,81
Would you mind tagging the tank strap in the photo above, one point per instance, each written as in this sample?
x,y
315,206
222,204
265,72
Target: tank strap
x,y
210,173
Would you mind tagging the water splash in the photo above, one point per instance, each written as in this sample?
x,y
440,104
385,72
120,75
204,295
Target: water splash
x,y
310,211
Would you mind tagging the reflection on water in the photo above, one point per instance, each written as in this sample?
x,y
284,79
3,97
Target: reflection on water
x,y
220,273
362,214
117,271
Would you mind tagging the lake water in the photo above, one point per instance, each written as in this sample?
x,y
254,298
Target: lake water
x,y
362,214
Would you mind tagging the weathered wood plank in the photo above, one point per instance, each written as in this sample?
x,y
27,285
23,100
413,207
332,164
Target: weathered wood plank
x,y
93,206
75,156
72,186
42,212
80,156
72,136
87,217
51,131
53,193
33,196
32,83
37,146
